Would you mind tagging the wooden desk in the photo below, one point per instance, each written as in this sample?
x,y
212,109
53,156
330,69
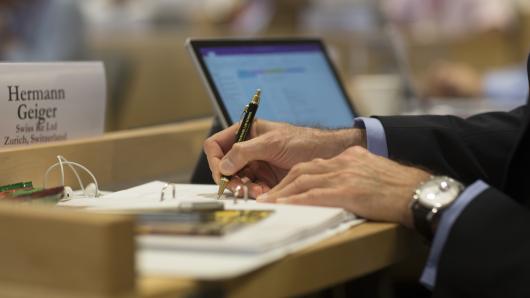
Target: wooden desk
x,y
361,250
53,252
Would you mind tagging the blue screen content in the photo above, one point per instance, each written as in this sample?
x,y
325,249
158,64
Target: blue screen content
x,y
297,83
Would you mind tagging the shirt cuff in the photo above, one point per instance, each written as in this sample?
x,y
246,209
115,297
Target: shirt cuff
x,y
375,135
449,216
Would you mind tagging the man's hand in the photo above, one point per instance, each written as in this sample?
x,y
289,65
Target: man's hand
x,y
273,149
366,184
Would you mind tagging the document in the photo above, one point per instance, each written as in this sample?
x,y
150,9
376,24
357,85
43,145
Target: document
x,y
287,229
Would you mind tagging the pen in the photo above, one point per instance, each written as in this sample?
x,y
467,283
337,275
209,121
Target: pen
x,y
243,132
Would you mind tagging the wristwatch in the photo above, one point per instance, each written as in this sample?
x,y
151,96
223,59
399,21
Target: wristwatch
x,y
429,201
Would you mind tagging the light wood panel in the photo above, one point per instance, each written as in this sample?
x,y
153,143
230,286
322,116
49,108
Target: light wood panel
x,y
52,252
118,160
160,82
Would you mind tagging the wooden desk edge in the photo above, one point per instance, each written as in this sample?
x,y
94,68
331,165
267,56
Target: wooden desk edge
x,y
201,123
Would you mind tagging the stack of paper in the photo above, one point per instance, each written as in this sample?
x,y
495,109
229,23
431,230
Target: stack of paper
x,y
288,229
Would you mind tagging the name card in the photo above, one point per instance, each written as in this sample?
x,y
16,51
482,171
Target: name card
x,y
45,102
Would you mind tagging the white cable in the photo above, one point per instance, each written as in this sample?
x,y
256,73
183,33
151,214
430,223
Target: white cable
x,y
89,173
60,157
62,169
71,163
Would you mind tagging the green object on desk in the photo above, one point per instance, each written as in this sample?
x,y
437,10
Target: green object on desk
x,y
25,192
15,186
34,195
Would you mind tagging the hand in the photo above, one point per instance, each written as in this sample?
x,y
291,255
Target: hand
x,y
273,149
368,185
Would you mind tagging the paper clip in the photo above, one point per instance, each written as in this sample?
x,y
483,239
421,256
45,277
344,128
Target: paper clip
x,y
173,191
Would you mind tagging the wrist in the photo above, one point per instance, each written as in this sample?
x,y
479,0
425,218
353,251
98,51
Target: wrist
x,y
351,137
417,179
330,143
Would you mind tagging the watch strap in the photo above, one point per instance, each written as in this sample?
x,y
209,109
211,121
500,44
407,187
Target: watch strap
x,y
421,221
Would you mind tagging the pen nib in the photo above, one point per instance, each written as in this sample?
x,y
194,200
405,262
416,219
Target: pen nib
x,y
222,186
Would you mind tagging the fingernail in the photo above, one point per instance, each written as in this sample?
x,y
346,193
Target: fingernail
x,y
262,197
227,165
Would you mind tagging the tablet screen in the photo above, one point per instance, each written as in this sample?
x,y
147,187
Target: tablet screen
x,y
297,81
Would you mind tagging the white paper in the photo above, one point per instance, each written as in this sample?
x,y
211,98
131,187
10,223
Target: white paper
x,y
216,266
287,230
44,102
147,196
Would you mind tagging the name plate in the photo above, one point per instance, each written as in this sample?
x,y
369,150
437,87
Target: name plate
x,y
45,102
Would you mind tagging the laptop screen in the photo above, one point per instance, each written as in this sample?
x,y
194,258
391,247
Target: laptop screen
x,y
298,83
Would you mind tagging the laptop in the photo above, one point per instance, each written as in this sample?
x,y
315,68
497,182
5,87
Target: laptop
x,y
298,80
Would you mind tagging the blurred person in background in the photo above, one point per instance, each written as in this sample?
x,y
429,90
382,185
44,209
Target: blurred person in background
x,y
41,30
455,19
450,17
255,16
459,80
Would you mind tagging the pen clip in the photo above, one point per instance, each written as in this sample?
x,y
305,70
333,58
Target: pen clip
x,y
243,113
241,117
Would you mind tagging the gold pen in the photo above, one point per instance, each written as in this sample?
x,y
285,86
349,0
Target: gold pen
x,y
243,132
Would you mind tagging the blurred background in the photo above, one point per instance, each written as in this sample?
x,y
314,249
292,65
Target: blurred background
x,y
395,56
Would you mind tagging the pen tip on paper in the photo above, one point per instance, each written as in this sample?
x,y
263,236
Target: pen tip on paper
x,y
222,186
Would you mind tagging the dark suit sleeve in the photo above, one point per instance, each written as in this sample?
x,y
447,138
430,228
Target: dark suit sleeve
x,y
466,149
487,253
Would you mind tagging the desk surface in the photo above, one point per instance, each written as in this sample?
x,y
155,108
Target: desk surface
x,y
361,250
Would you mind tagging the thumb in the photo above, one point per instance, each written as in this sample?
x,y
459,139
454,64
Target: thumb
x,y
243,153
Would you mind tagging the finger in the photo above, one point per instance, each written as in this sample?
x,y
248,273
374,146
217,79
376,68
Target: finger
x,y
301,184
316,166
257,191
325,197
257,171
265,173
213,155
213,163
258,177
248,172
225,138
243,153
253,188
236,181
215,148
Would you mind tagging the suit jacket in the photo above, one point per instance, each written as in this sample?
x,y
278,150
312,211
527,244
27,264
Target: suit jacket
x,y
487,253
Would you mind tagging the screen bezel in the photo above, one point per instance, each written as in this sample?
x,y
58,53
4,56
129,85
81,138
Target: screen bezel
x,y
195,46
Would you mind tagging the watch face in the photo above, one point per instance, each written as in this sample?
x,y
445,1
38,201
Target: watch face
x,y
438,192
